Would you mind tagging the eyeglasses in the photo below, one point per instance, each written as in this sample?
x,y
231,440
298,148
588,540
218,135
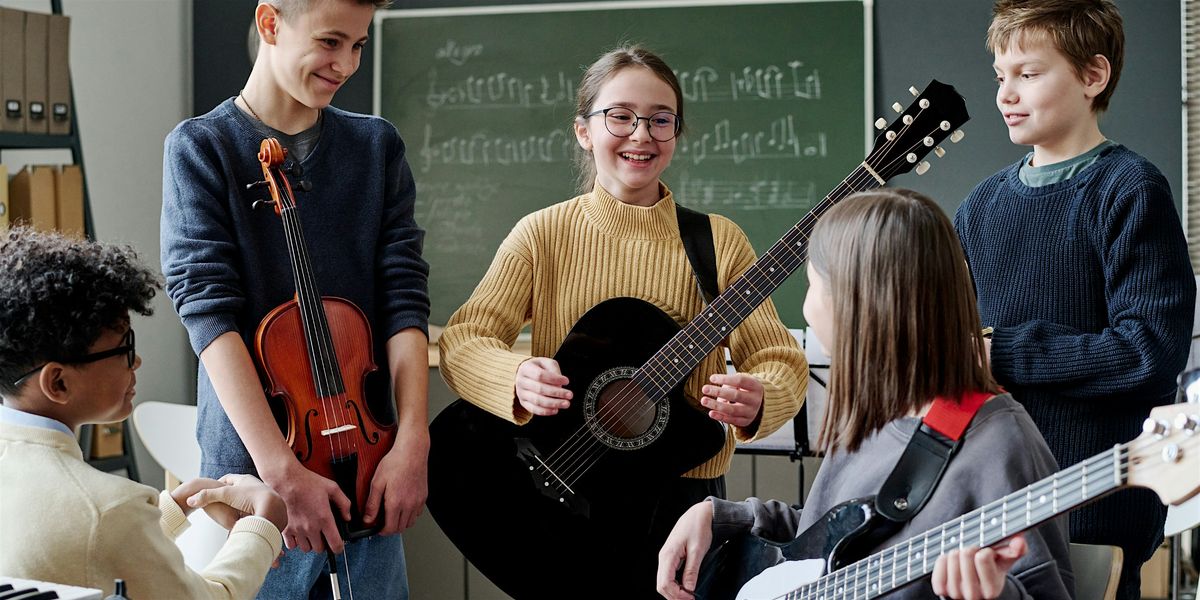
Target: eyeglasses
x,y
622,122
127,347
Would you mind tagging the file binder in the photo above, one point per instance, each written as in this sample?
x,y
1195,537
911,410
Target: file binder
x,y
3,198
58,75
36,26
12,70
68,194
31,197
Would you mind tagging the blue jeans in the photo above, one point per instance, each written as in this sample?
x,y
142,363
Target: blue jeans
x,y
376,571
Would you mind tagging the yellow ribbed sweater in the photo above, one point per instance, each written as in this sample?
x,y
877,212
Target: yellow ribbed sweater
x,y
562,260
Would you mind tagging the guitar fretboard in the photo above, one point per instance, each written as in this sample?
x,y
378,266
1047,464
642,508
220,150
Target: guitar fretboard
x,y
1024,509
684,352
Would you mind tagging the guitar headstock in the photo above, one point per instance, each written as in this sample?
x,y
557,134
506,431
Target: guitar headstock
x,y
935,115
1166,457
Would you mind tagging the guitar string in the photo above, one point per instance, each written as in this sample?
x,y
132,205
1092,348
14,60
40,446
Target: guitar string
x,y
796,259
1028,516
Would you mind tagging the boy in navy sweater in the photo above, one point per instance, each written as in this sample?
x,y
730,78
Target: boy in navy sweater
x,y
1079,258
227,265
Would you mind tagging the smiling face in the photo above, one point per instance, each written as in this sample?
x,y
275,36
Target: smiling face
x,y
317,50
110,382
629,167
1045,102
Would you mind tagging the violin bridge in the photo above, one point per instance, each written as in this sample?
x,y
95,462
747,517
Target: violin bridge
x,y
328,432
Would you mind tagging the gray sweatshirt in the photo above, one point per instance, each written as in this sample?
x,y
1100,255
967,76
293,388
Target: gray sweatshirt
x,y
1001,453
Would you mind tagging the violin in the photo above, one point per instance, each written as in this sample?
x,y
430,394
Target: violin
x,y
314,353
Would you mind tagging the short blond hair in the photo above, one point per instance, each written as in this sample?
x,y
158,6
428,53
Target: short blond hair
x,y
1080,29
287,8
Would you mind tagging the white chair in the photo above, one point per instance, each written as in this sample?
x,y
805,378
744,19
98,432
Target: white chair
x,y
169,433
1097,571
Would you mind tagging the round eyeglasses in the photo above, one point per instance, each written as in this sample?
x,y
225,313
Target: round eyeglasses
x,y
127,347
622,122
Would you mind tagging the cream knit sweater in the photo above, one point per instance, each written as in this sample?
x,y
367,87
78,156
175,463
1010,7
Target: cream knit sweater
x,y
65,522
561,261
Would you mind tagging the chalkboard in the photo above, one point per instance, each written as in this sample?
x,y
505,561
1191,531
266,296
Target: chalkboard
x,y
775,109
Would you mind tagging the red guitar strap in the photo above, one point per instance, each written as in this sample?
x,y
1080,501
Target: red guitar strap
x,y
927,455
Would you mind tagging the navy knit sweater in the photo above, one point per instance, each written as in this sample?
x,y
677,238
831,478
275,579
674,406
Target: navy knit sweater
x,y
227,265
1088,285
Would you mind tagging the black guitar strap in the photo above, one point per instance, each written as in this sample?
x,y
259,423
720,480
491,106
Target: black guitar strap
x,y
696,231
926,457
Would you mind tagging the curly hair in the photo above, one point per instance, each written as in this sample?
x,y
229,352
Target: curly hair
x,y
58,294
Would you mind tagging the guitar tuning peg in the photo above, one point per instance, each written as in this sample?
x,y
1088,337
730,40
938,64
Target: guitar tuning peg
x,y
254,205
896,107
256,184
922,167
939,152
912,90
305,185
957,136
880,123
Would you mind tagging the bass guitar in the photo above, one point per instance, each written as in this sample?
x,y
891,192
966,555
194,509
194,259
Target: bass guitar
x,y
825,561
577,489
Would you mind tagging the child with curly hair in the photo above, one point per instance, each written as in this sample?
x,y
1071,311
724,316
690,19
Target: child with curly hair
x,y
67,358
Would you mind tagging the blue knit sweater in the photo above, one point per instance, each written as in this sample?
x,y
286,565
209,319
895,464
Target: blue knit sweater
x,y
227,265
1088,285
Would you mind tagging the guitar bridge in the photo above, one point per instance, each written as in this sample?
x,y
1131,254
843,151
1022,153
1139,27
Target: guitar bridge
x,y
549,483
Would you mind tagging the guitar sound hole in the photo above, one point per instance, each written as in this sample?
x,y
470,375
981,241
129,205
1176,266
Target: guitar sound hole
x,y
623,410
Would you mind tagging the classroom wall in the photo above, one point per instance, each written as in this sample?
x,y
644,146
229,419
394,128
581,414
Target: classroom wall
x,y
131,70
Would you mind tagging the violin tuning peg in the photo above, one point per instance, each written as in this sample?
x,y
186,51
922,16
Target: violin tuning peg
x,y
957,136
913,90
297,170
304,185
939,152
254,205
880,123
256,184
922,167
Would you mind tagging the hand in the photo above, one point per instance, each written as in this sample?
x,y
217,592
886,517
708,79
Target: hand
x,y
310,524
187,489
539,386
974,573
686,545
400,484
237,496
735,399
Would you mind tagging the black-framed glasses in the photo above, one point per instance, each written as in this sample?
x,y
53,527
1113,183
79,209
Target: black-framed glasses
x,y
127,347
622,122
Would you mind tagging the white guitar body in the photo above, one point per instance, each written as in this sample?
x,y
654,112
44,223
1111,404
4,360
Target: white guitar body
x,y
781,579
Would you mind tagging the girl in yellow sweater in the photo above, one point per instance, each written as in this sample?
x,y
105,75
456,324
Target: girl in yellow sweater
x,y
619,238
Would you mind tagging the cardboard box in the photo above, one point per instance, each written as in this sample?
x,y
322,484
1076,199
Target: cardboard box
x,y
68,196
58,76
1156,574
108,440
31,197
3,199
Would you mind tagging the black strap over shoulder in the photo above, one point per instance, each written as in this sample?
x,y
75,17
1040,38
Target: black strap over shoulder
x,y
696,231
916,474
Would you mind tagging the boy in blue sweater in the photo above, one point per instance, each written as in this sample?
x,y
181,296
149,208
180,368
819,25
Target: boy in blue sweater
x,y
227,265
1079,258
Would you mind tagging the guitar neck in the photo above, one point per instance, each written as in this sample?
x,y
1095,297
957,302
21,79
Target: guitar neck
x,y
684,352
1024,509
